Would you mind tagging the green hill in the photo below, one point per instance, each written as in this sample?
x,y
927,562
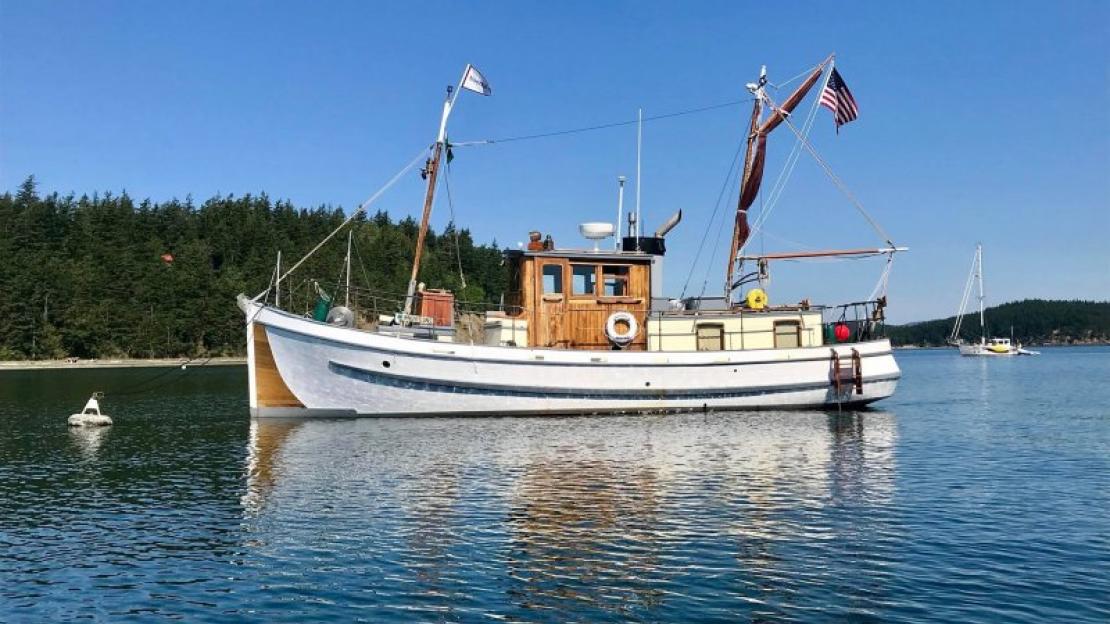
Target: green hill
x,y
1034,321
86,277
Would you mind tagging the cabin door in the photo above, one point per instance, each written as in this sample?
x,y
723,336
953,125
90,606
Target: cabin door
x,y
550,305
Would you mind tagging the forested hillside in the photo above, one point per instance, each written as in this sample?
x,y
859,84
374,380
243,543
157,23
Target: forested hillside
x,y
106,276
1034,321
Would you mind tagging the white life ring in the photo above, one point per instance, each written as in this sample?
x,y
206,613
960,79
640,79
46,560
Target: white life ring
x,y
618,338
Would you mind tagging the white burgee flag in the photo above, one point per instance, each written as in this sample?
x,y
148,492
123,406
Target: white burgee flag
x,y
475,81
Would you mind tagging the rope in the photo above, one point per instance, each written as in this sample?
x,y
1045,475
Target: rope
x,y
615,124
884,279
362,207
836,179
803,73
712,219
454,223
963,301
133,390
733,182
779,186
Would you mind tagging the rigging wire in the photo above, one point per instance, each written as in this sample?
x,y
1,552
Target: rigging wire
x,y
366,204
790,80
836,179
606,126
733,182
712,217
884,279
963,301
454,223
786,172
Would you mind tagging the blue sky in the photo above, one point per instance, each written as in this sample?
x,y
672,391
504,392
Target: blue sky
x,y
979,121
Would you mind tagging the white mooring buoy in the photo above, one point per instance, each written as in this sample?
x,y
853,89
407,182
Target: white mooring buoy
x,y
90,416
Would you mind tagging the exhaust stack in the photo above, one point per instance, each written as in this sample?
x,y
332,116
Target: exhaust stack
x,y
669,224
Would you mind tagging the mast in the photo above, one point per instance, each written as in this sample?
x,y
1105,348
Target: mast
x,y
431,172
755,155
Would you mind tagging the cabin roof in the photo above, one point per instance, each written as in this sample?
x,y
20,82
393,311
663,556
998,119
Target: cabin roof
x,y
582,254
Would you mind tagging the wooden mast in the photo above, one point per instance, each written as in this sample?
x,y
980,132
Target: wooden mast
x,y
431,171
471,80
755,156
740,229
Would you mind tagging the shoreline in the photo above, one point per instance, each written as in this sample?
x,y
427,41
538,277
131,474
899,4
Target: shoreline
x,y
120,363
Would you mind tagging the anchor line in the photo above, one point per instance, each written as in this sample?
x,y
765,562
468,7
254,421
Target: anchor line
x,y
137,388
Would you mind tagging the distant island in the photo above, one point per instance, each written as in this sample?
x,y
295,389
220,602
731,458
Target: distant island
x,y
1034,322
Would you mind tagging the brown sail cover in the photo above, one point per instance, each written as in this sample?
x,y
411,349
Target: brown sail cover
x,y
754,161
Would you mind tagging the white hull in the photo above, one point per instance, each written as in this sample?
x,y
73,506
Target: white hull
x,y
334,371
977,349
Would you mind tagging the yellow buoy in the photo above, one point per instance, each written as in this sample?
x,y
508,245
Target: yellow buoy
x,y
756,299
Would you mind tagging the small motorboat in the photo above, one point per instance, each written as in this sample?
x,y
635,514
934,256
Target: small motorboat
x,y
90,416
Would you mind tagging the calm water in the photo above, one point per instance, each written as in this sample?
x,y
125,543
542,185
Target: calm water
x,y
981,493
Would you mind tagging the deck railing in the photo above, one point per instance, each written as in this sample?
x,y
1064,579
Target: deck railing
x,y
864,320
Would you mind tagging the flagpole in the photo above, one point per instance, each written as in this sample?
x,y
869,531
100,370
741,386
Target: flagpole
x,y
828,76
449,104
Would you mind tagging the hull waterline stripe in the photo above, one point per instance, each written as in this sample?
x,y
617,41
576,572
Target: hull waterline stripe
x,y
423,385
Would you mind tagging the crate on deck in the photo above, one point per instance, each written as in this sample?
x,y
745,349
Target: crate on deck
x,y
439,305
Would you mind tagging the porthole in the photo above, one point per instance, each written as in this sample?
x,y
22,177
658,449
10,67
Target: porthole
x,y
385,363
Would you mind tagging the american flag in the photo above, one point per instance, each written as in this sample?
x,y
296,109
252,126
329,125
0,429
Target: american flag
x,y
837,98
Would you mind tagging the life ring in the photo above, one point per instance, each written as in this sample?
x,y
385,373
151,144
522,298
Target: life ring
x,y
616,337
756,299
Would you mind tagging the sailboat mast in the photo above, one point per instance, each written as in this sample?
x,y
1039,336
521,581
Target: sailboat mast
x,y
979,276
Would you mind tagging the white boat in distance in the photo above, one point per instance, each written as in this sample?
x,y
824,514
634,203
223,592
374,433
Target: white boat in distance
x,y
993,347
579,331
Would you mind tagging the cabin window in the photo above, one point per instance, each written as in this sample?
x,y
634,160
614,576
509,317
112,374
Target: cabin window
x,y
614,281
788,334
711,337
584,279
553,279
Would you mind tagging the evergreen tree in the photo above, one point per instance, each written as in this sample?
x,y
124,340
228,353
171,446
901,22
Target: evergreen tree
x,y
85,277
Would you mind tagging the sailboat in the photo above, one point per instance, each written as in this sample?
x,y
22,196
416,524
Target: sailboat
x,y
579,330
985,346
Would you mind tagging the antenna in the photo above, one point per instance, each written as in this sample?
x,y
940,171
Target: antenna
x,y
639,150
620,212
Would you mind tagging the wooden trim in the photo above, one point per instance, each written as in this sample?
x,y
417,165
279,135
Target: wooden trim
x,y
270,388
597,273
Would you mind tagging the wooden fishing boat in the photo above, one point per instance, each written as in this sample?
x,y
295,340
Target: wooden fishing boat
x,y
580,331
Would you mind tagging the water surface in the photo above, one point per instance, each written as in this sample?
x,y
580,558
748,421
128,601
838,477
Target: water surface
x,y
979,493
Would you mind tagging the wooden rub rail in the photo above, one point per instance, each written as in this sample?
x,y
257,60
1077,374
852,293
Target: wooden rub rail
x,y
850,372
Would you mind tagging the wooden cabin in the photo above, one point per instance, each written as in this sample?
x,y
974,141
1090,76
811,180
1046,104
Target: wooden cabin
x,y
567,296
563,298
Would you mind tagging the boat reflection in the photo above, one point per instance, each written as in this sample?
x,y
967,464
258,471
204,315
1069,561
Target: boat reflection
x,y
605,512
